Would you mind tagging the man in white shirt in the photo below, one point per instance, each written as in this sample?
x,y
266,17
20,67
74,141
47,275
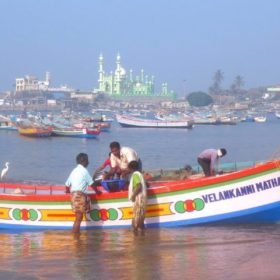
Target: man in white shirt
x,y
120,158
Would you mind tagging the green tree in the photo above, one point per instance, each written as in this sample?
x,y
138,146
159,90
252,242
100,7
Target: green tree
x,y
199,99
237,84
218,77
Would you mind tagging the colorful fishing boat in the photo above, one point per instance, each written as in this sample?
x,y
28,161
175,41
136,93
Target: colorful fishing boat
x,y
103,126
130,121
251,195
34,131
76,132
6,123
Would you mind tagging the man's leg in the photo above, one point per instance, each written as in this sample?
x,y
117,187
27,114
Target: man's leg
x,y
77,223
205,164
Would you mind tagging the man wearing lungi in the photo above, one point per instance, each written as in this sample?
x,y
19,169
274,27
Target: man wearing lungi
x,y
78,181
137,193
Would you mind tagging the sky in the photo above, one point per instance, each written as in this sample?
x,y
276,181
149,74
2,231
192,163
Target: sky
x,y
181,42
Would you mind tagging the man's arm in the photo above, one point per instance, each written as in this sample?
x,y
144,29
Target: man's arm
x,y
214,159
111,172
137,190
95,189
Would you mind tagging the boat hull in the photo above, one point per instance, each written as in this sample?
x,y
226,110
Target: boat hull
x,y
247,196
34,131
77,133
8,127
128,121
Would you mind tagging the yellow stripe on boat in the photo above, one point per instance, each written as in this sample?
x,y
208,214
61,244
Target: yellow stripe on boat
x,y
4,213
153,210
57,215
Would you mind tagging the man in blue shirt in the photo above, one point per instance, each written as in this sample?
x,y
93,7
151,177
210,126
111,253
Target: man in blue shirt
x,y
78,181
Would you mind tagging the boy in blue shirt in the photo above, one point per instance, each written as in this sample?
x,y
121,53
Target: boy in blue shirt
x,y
78,182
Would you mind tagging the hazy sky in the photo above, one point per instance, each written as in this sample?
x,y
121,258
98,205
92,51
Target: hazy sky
x,y
174,40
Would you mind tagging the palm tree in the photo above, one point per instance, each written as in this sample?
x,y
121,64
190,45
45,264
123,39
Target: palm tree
x,y
239,82
218,77
217,80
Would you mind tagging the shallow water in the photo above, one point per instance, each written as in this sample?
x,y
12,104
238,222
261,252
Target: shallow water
x,y
213,252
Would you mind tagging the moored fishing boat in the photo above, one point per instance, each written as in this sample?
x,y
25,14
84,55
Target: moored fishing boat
x,y
8,126
129,121
34,131
76,132
225,120
102,126
251,195
260,119
6,123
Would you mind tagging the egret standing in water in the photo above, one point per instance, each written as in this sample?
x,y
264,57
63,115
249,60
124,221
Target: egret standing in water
x,y
5,170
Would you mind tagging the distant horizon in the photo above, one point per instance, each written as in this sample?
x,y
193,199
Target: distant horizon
x,y
182,43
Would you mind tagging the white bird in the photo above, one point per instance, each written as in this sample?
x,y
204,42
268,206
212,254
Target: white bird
x,y
5,170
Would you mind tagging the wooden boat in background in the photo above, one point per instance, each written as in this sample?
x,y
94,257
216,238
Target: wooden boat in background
x,y
260,119
251,195
129,121
76,132
34,131
6,123
102,126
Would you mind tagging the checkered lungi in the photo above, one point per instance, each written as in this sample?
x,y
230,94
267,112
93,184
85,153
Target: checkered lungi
x,y
80,202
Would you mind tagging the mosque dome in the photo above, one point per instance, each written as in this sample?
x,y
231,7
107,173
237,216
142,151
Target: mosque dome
x,y
121,71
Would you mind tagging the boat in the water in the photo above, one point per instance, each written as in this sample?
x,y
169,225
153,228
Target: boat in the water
x,y
6,123
260,119
76,132
34,131
251,195
130,121
102,126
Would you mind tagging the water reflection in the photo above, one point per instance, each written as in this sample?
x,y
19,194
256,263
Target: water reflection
x,y
187,253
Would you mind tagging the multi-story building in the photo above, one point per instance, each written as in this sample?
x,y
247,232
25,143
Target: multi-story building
x,y
31,83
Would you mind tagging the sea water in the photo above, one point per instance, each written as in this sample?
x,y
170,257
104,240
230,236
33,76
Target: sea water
x,y
208,252
52,159
205,252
